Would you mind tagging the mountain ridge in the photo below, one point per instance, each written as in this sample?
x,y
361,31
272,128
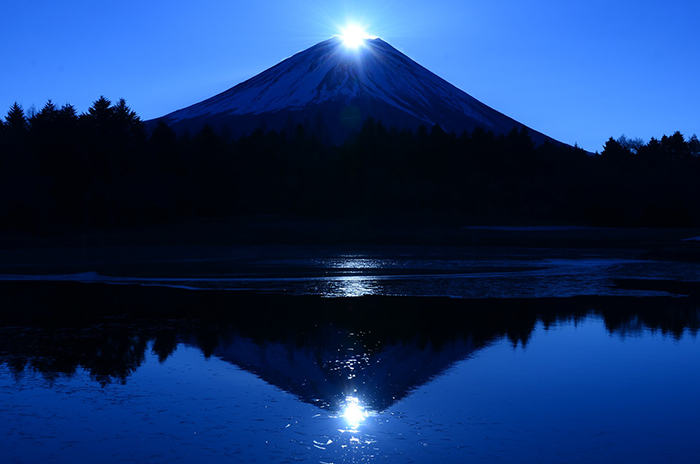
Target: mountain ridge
x,y
332,88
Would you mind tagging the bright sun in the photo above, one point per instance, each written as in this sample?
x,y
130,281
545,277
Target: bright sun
x,y
353,36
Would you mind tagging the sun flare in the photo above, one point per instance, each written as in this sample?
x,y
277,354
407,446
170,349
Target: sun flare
x,y
353,36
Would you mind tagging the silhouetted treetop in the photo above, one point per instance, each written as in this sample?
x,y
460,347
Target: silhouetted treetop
x,y
613,149
15,121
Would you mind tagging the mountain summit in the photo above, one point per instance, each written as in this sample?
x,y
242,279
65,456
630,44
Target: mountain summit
x,y
332,89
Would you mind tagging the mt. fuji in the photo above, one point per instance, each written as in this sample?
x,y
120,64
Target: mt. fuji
x,y
332,89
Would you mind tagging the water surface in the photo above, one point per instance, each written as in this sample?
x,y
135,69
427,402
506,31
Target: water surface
x,y
358,271
270,378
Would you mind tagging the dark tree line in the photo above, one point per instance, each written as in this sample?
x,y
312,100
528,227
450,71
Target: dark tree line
x,y
61,171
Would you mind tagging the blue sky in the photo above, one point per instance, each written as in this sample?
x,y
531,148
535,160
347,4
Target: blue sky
x,y
578,70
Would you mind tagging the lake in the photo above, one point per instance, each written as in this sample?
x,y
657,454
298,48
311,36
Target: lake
x,y
353,357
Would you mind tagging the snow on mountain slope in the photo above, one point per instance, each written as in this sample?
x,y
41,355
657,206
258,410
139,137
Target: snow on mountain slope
x,y
375,80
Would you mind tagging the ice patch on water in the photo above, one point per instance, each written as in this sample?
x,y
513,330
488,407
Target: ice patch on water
x,y
530,228
77,277
491,278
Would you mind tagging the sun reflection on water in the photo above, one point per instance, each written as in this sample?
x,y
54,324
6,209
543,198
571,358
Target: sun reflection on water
x,y
355,282
352,286
356,263
353,412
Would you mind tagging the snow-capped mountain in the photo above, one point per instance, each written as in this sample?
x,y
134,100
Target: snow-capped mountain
x,y
331,88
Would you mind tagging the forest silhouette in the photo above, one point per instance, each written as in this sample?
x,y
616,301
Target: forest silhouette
x,y
62,172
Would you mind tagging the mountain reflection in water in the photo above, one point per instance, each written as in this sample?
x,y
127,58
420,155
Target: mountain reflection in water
x,y
337,365
376,350
119,376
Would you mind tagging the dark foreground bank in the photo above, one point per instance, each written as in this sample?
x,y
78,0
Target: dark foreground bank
x,y
59,304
